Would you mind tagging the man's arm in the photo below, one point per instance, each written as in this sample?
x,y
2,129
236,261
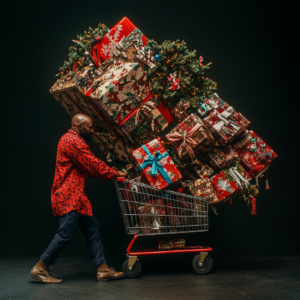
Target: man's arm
x,y
82,156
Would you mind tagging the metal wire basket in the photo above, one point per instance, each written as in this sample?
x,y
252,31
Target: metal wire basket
x,y
150,211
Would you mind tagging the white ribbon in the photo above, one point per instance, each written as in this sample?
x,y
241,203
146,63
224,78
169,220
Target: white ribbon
x,y
223,117
156,221
238,178
213,104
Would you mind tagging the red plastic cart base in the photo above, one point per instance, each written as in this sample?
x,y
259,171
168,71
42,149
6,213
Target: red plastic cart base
x,y
156,251
202,263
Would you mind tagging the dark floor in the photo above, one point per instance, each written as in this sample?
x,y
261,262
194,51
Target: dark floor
x,y
169,277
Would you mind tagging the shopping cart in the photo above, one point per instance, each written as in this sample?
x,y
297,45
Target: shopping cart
x,y
149,211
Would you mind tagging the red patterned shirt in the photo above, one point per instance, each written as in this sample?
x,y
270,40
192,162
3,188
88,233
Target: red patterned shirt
x,y
75,162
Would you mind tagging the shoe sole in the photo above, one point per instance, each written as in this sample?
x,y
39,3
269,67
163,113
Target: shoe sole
x,y
37,279
106,279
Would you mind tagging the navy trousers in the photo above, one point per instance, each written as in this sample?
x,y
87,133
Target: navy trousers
x,y
67,225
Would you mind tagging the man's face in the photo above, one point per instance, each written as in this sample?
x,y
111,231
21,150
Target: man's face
x,y
86,130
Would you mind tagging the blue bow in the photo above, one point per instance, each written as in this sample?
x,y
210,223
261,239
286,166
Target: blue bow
x,y
154,161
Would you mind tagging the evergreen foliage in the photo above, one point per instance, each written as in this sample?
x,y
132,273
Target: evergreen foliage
x,y
175,57
78,53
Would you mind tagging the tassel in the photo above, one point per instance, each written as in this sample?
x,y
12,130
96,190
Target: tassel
x,y
253,206
267,183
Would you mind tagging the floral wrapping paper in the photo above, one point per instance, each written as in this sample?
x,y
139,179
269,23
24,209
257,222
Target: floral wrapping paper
x,y
208,105
224,183
121,90
202,188
203,138
139,155
203,170
223,157
256,155
226,125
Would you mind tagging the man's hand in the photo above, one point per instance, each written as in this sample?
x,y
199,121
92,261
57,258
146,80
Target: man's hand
x,y
121,173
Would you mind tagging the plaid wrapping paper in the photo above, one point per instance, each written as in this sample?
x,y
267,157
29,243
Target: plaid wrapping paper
x,y
202,137
208,105
221,158
202,188
121,90
169,243
225,185
138,125
203,170
226,125
139,155
256,155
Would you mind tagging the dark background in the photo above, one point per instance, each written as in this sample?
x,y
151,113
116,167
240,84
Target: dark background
x,y
253,47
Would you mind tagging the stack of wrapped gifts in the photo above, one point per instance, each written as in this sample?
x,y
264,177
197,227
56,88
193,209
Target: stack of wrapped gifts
x,y
155,112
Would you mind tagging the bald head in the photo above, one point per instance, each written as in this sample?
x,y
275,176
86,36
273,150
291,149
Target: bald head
x,y
83,125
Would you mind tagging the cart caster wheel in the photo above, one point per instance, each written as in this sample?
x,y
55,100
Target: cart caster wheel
x,y
205,268
134,272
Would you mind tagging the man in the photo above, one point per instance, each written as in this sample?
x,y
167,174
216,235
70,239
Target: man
x,y
74,162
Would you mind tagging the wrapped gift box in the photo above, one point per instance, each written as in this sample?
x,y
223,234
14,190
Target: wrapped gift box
x,y
144,123
121,91
148,219
124,31
243,139
190,136
203,170
256,155
223,157
156,166
229,181
168,243
208,105
226,125
202,188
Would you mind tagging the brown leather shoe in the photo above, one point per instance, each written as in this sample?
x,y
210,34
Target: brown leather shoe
x,y
105,273
38,272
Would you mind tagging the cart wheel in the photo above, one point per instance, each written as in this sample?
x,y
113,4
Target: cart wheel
x,y
205,268
134,272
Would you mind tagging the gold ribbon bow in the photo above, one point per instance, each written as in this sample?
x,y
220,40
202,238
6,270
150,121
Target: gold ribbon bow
x,y
182,113
187,140
150,110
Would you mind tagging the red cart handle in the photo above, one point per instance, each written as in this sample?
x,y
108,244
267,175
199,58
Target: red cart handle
x,y
121,178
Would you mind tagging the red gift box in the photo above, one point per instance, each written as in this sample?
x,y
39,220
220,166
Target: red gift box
x,y
256,155
214,102
120,32
189,137
156,166
229,181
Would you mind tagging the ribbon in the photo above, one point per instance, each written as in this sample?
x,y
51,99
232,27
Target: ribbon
x,y
182,113
223,117
154,162
240,180
175,83
253,206
148,107
187,140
